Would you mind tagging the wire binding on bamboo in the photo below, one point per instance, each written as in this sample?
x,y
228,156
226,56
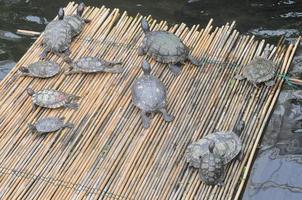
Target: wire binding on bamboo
x,y
108,154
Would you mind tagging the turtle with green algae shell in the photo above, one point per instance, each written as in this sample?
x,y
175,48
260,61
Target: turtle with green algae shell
x,y
50,98
76,21
40,69
57,38
259,70
149,94
211,166
165,47
93,65
227,143
49,125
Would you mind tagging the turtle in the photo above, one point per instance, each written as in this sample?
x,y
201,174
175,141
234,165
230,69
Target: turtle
x,y
165,47
50,98
227,143
149,95
57,38
49,124
40,69
211,167
259,70
76,21
93,65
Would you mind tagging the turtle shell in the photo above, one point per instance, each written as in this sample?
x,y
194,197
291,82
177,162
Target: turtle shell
x,y
89,64
165,47
57,36
76,23
259,70
49,124
211,169
227,144
149,93
43,69
50,98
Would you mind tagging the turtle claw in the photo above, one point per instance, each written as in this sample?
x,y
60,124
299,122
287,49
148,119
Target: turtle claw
x,y
176,69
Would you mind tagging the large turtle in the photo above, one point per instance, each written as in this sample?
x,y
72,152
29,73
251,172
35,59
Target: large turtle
x,y
40,69
57,37
211,167
259,70
149,95
50,98
227,143
165,47
76,21
93,65
49,124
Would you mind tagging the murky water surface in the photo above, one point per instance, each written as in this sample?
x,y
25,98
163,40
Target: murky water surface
x,y
277,171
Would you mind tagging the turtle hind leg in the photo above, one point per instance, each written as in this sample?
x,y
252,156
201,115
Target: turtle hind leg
x,y
166,115
175,68
239,77
270,83
32,128
146,120
44,53
72,105
141,51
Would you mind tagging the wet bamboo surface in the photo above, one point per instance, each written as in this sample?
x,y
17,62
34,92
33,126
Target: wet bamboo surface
x,y
108,155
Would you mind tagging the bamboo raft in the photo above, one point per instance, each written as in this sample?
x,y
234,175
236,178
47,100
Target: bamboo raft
x,y
108,154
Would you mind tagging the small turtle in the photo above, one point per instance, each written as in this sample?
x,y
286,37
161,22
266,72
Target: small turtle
x,y
94,65
76,21
49,124
57,37
259,70
211,167
165,47
40,69
149,95
50,98
227,143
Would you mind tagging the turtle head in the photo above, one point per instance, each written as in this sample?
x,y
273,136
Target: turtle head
x,y
239,127
30,91
61,13
266,52
145,25
146,67
211,146
80,9
24,70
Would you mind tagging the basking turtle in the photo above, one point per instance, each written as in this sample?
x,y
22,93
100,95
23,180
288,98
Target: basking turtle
x,y
149,95
211,167
76,21
165,47
57,37
259,70
50,98
49,124
94,65
227,143
40,69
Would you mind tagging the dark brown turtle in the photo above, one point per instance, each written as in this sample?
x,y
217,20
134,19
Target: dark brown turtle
x,y
227,143
57,37
259,70
211,167
76,21
165,47
50,98
94,65
149,95
40,69
49,124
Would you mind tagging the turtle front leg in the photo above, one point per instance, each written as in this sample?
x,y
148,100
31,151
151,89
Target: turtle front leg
x,y
240,156
66,55
255,85
175,68
270,83
68,125
146,120
44,53
32,128
141,51
239,77
166,115
34,107
87,21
